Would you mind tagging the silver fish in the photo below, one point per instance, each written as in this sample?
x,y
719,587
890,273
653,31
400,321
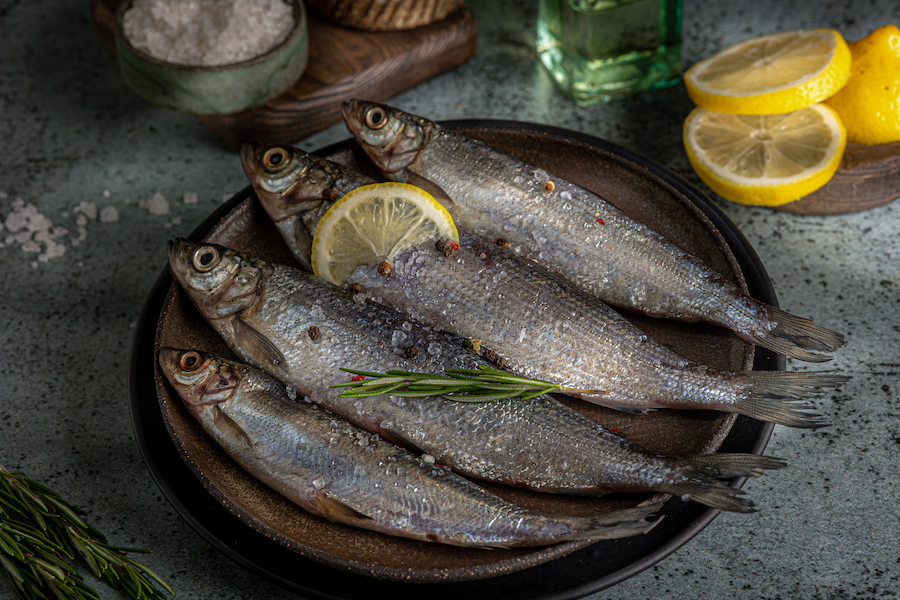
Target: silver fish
x,y
347,475
583,237
302,330
541,325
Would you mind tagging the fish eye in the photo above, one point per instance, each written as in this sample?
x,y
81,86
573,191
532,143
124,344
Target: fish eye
x,y
275,157
190,361
206,258
376,117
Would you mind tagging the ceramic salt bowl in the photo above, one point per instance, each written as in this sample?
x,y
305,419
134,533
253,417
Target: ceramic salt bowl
x,y
219,89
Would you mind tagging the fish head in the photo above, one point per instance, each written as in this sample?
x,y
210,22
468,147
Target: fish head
x,y
287,181
219,280
391,138
201,381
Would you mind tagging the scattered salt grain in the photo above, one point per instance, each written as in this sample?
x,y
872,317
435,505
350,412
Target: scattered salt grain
x,y
191,197
88,209
207,32
156,204
109,215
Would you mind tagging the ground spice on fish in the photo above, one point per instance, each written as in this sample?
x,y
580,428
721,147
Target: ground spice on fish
x,y
313,333
357,378
384,268
503,242
357,288
411,352
548,186
473,344
447,247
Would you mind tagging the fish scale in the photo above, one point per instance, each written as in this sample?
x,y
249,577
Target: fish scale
x,y
509,441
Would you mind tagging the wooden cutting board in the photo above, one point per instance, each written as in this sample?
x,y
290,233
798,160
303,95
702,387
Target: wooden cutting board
x,y
869,176
343,63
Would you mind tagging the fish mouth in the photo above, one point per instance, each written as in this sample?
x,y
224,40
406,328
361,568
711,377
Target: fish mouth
x,y
178,253
250,152
348,112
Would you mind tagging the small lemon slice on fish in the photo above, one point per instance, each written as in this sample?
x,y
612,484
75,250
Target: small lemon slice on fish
x,y
373,223
765,160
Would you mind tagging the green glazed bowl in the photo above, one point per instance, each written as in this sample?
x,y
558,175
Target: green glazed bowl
x,y
215,89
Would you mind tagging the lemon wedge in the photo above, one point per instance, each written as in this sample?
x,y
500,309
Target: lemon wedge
x,y
373,223
771,74
765,160
869,105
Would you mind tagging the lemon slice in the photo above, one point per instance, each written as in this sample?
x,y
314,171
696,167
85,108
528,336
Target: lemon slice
x,y
373,223
771,74
765,160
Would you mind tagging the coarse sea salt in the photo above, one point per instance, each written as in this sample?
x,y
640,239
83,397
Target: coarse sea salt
x,y
207,32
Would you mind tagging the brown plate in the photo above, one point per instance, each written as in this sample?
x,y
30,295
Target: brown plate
x,y
278,537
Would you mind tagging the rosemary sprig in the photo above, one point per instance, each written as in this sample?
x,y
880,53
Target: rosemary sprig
x,y
483,384
40,533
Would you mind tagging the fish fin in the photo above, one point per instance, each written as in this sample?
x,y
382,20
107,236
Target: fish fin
x,y
335,510
622,523
778,397
727,465
432,188
226,423
259,345
796,337
712,493
705,474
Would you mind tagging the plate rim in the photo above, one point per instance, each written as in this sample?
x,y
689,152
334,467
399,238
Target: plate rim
x,y
747,435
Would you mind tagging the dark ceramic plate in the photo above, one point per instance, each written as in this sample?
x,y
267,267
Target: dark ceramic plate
x,y
267,534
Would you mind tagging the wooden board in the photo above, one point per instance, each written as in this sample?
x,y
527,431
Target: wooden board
x,y
869,176
343,64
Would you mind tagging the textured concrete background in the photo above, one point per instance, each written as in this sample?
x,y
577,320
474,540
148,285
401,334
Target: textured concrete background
x,y
90,156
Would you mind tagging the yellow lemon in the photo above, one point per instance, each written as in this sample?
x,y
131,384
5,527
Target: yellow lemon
x,y
765,160
771,74
869,104
373,223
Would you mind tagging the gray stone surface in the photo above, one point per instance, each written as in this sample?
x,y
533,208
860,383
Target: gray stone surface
x,y
75,137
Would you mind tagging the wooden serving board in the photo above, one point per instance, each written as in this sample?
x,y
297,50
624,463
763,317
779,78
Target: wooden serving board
x,y
343,63
869,176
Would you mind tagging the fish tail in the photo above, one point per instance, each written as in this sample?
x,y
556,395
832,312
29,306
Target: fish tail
x,y
779,397
715,494
728,465
704,474
621,523
796,337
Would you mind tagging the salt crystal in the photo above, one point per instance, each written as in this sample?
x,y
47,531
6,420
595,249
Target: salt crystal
x,y
397,337
156,204
31,246
107,193
109,215
191,197
52,250
88,209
